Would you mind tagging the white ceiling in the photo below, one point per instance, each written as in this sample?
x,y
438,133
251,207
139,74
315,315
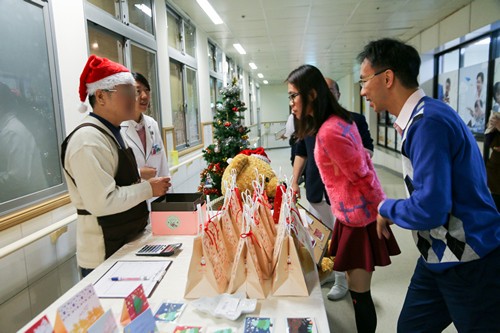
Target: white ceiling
x,y
280,35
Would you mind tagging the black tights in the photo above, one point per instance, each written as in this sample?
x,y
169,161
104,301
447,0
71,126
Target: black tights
x,y
364,311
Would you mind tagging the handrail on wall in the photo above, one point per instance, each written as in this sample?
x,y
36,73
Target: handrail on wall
x,y
19,244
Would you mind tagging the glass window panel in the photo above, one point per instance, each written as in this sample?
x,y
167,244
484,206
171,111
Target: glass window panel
x,y
140,14
144,62
476,53
189,40
105,44
177,103
212,58
449,61
213,94
174,31
29,148
110,6
381,135
192,112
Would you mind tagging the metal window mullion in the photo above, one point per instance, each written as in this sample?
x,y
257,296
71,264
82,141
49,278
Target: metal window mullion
x,y
185,104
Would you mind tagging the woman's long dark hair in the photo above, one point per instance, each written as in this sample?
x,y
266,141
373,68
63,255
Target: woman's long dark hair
x,y
307,78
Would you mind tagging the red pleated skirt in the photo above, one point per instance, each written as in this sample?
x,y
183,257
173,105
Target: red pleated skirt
x,y
360,247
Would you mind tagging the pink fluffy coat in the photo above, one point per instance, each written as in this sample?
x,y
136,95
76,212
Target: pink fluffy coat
x,y
347,172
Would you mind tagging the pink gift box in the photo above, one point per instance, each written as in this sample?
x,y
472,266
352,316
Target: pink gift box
x,y
177,214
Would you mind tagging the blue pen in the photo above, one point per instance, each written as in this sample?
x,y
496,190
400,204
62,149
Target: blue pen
x,y
139,278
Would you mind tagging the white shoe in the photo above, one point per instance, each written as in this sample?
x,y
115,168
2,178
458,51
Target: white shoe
x,y
339,289
328,279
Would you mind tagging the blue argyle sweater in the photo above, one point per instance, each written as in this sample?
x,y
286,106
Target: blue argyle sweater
x,y
449,207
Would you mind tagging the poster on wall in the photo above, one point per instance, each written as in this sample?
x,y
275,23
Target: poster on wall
x,y
448,88
472,96
496,88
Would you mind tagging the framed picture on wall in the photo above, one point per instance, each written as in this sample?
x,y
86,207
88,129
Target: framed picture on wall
x,y
472,96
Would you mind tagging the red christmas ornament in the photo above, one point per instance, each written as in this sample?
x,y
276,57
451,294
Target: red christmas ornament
x,y
227,124
235,109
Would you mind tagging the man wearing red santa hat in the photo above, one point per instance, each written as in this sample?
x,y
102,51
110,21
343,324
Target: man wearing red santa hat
x,y
101,171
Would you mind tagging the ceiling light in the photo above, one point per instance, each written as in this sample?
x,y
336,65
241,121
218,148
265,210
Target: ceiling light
x,y
260,75
145,9
240,49
252,65
265,82
210,11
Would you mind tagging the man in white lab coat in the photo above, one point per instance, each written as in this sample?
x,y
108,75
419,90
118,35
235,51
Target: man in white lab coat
x,y
143,135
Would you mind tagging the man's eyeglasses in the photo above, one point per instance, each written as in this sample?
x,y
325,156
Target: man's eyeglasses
x,y
291,97
131,93
368,78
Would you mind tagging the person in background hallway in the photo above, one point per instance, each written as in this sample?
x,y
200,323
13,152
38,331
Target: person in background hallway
x,y
290,135
351,183
142,134
450,210
21,167
319,203
101,171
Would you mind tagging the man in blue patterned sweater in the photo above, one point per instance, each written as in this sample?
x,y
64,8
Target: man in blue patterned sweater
x,y
449,208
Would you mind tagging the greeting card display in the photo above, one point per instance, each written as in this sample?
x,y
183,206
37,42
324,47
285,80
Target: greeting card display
x,y
168,312
79,312
41,326
133,305
105,324
143,323
258,325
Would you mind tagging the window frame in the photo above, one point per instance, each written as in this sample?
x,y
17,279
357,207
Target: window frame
x,y
22,209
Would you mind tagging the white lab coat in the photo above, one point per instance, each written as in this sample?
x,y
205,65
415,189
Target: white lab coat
x,y
155,155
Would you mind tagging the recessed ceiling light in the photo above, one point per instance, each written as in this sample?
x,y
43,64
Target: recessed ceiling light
x,y
210,11
239,48
252,65
260,75
265,82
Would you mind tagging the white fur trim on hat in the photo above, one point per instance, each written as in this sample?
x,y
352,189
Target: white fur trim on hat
x,y
261,157
110,82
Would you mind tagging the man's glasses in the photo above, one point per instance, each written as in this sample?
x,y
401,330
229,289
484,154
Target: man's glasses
x,y
291,97
368,78
131,93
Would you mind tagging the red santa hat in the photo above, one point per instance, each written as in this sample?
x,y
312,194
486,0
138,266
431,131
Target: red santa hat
x,y
257,152
101,73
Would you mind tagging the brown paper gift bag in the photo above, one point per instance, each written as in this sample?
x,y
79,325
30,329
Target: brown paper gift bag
x,y
214,248
201,280
235,208
230,235
246,275
289,278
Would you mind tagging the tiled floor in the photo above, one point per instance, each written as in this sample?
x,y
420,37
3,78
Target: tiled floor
x,y
389,283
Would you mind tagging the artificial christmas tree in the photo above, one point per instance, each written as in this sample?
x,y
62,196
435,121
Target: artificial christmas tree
x,y
230,137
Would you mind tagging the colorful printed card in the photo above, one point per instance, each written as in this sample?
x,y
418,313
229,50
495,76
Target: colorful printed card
x,y
41,326
188,329
300,325
143,323
105,324
169,311
133,305
79,312
258,325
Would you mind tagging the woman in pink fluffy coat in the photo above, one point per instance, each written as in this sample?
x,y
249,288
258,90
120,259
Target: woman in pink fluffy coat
x,y
351,183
